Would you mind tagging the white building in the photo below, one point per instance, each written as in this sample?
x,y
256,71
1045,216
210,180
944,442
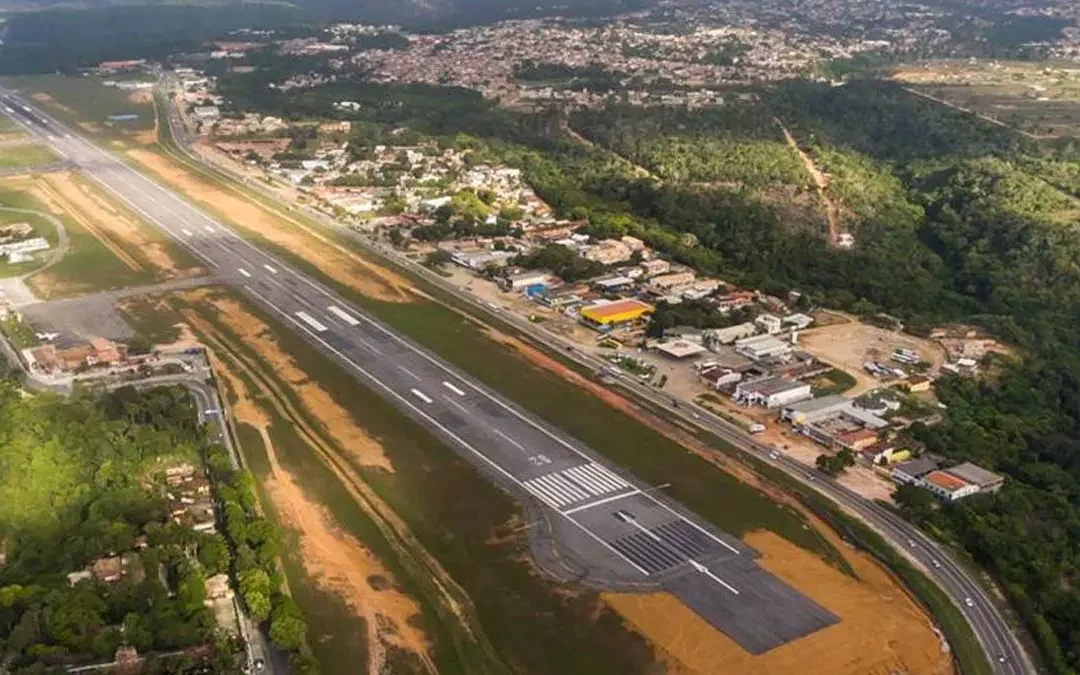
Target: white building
x,y
761,347
770,323
17,250
771,392
725,336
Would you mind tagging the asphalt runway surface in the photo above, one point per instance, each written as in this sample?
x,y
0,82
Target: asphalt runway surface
x,y
612,528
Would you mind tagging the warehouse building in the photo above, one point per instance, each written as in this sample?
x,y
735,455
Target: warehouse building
x,y
771,392
609,314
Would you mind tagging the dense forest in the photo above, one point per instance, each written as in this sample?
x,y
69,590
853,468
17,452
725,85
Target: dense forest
x,y
81,481
956,220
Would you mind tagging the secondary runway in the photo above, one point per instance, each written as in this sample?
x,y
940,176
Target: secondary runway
x,y
613,528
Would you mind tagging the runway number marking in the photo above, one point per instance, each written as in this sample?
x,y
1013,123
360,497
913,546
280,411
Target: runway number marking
x,y
312,321
421,395
454,389
243,272
270,269
343,315
539,460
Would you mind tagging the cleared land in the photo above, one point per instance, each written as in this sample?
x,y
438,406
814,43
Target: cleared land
x,y
849,345
42,228
25,155
1038,99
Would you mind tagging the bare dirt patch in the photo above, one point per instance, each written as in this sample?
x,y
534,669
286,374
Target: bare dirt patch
x,y
42,97
336,421
117,229
849,345
336,560
343,265
881,631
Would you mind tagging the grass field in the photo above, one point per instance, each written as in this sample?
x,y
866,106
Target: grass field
x,y
521,621
88,265
86,103
25,155
6,124
1037,98
42,227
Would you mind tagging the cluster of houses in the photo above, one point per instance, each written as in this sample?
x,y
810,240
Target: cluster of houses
x,y
52,360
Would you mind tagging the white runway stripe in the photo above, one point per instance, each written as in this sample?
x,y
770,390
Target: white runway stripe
x,y
590,484
312,321
343,315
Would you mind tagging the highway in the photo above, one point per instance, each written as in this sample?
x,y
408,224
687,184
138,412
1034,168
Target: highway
x,y
993,631
659,543
609,529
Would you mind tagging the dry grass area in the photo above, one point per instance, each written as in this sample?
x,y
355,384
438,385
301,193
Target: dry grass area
x,y
42,97
336,422
343,265
335,559
118,230
881,632
848,345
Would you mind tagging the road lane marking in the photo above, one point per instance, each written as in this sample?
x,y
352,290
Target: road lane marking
x,y
243,272
343,315
421,395
312,321
454,389
270,268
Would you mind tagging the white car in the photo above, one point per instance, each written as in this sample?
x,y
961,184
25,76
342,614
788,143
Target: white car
x,y
969,602
935,563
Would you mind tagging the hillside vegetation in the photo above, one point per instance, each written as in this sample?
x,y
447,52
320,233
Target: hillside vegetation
x,y
955,220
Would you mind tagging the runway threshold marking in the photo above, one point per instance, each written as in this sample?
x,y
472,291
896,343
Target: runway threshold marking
x,y
343,315
312,321
243,272
454,389
601,502
270,268
421,395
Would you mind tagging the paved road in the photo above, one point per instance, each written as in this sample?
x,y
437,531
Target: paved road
x,y
993,631
608,527
1004,650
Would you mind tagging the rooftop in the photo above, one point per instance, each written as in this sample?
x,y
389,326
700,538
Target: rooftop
x,y
945,480
973,473
770,386
609,309
917,467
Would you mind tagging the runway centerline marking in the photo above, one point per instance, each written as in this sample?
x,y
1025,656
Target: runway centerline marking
x,y
312,321
243,272
454,389
509,440
187,232
441,427
270,268
421,395
343,315
409,373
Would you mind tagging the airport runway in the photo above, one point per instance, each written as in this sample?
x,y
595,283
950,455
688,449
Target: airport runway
x,y
615,529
